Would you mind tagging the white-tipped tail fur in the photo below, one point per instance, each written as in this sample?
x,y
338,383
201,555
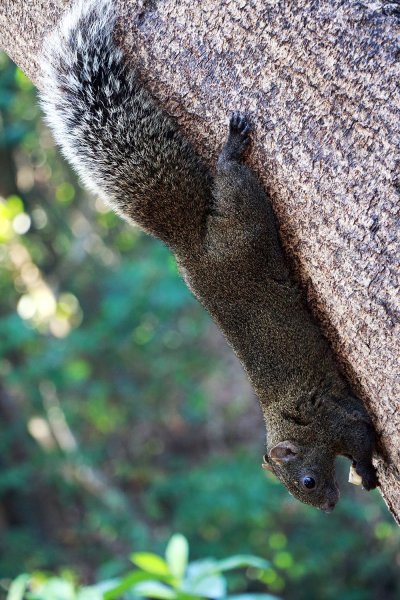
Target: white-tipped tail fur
x,y
110,129
69,47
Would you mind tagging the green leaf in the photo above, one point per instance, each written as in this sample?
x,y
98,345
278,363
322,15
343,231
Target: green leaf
x,y
126,583
156,590
177,554
242,560
211,586
55,588
202,568
90,593
180,595
100,590
18,587
151,563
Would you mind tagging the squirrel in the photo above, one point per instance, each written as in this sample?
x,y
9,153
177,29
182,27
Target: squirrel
x,y
222,230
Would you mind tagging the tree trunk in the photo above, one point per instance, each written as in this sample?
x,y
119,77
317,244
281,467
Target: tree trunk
x,y
320,80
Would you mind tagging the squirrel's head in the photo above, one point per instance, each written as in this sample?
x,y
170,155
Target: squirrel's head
x,y
307,472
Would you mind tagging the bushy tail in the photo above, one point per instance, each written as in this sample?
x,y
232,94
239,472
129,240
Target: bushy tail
x,y
123,146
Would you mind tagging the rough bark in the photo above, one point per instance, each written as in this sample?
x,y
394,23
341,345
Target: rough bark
x,y
321,80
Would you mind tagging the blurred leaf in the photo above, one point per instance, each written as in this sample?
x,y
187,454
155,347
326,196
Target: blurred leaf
x,y
151,563
15,206
125,584
211,586
90,593
177,554
156,590
54,589
78,370
283,560
240,561
18,587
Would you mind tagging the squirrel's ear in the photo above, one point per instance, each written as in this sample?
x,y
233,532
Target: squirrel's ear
x,y
283,452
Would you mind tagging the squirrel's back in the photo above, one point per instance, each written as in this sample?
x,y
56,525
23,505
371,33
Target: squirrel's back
x,y
124,147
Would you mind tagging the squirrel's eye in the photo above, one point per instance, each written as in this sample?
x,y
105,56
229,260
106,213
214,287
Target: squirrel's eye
x,y
309,482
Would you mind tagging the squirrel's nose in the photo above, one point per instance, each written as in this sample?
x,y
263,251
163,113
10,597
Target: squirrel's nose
x,y
328,506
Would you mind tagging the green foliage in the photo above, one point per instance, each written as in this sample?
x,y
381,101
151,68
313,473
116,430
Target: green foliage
x,y
169,578
123,415
176,579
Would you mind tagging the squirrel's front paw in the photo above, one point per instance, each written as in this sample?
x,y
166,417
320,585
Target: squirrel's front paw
x,y
368,475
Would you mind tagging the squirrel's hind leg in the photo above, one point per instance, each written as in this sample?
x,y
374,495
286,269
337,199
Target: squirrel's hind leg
x,y
241,226
238,196
238,138
241,213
